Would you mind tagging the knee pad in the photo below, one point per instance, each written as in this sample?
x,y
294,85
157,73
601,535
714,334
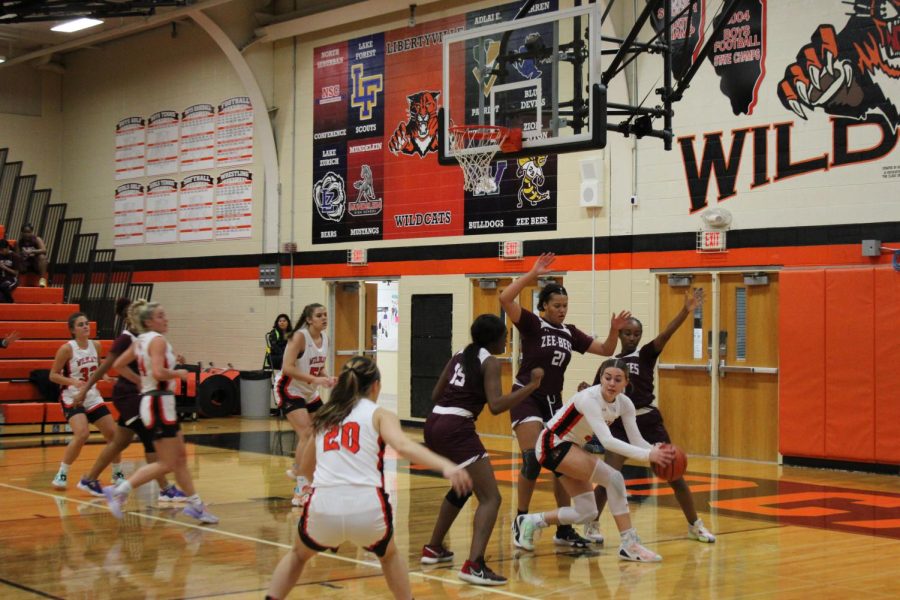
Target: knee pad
x,y
456,500
586,507
616,494
531,468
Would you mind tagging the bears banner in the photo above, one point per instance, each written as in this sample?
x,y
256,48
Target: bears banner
x,y
375,143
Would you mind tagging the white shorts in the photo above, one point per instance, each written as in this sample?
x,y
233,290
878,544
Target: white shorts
x,y
91,400
361,515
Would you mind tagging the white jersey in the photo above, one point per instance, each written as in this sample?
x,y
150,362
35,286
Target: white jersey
x,y
81,366
312,361
142,351
587,413
351,453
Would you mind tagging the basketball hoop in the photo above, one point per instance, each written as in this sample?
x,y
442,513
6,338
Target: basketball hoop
x,y
474,147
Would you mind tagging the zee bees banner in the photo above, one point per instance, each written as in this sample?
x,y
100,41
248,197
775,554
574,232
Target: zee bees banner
x,y
375,143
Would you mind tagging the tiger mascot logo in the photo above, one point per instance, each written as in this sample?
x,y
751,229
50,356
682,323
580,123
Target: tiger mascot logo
x,y
531,172
418,135
852,72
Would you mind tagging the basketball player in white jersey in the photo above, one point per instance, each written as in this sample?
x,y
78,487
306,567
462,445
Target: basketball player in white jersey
x,y
156,366
75,361
558,449
348,501
297,388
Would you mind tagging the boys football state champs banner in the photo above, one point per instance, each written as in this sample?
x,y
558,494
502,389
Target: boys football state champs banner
x,y
375,142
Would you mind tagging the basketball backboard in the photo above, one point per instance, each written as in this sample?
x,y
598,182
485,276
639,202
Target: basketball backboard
x,y
539,74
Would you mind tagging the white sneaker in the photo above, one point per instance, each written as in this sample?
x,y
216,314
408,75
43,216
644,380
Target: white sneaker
x,y
631,549
523,532
60,482
301,496
592,532
699,532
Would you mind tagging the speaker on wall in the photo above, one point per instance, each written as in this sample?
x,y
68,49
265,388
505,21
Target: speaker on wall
x,y
591,177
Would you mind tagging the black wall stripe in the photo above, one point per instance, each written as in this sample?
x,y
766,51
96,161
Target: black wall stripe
x,y
819,235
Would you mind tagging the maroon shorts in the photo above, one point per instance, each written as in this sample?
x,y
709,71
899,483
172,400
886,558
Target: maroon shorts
x,y
650,425
537,407
454,437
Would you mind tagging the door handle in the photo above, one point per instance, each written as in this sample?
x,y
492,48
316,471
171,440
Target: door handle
x,y
346,352
723,369
684,367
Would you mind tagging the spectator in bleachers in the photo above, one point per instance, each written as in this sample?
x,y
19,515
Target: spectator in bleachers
x,y
34,253
10,267
9,339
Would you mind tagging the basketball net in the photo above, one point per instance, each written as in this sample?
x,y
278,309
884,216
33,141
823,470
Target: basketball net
x,y
474,147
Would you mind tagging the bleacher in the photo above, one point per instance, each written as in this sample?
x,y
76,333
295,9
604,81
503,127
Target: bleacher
x,y
82,278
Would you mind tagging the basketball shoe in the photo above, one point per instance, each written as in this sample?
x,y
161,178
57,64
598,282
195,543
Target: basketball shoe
x,y
172,494
478,573
61,481
91,486
699,532
523,532
432,555
567,536
198,511
631,549
118,477
114,501
592,532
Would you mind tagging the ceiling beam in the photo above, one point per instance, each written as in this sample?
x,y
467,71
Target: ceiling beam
x,y
339,17
133,26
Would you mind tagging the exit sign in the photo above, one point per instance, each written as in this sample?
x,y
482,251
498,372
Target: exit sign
x,y
357,256
511,250
711,241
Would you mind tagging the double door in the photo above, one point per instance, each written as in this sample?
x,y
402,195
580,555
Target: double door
x,y
718,374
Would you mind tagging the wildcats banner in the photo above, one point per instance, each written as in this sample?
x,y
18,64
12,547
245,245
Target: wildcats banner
x,y
376,135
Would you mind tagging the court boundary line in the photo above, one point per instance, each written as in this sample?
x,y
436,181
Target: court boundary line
x,y
30,590
247,538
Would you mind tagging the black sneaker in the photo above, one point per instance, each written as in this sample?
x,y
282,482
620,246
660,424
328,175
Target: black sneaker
x,y
567,536
432,555
479,573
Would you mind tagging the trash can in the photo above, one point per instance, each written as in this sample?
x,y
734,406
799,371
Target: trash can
x,y
255,392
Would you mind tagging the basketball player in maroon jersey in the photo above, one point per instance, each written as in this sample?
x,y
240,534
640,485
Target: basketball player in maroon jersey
x,y
546,343
641,364
469,381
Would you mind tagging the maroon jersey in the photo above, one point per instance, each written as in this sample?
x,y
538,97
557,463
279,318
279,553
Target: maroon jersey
x,y
465,390
550,348
126,395
640,375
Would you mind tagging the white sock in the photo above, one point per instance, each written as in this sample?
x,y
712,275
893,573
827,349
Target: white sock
x,y
195,499
628,536
538,520
123,488
64,468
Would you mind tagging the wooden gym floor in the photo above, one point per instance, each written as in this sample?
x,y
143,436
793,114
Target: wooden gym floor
x,y
782,532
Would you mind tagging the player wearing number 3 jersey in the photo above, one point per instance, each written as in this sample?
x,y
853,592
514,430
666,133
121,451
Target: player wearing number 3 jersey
x,y
348,502
75,361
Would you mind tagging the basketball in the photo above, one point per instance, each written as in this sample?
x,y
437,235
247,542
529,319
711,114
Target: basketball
x,y
675,469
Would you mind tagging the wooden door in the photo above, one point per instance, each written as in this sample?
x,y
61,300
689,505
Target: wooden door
x,y
487,301
683,388
346,323
748,375
370,331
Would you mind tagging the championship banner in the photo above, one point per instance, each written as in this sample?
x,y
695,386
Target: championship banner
x,y
739,54
196,204
161,217
128,215
130,148
198,138
686,32
234,205
162,143
375,140
234,132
